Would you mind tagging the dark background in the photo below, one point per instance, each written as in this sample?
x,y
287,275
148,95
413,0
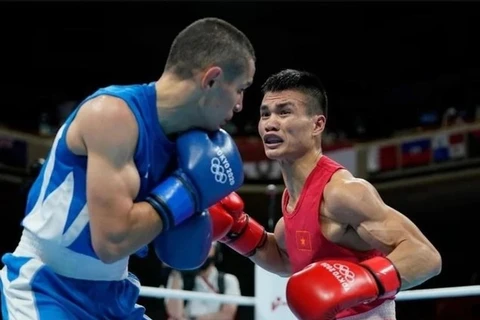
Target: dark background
x,y
378,60
384,64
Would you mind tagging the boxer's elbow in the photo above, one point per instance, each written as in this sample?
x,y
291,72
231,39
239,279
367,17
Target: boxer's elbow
x,y
106,252
108,257
435,262
430,258
109,249
110,239
428,262
430,265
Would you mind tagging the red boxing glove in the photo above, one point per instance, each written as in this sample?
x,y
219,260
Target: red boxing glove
x,y
324,288
222,222
245,234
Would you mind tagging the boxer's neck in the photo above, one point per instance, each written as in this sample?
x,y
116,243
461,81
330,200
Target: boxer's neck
x,y
177,103
295,172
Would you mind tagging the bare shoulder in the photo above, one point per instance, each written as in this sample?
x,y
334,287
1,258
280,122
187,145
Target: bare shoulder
x,y
105,122
346,194
106,112
342,186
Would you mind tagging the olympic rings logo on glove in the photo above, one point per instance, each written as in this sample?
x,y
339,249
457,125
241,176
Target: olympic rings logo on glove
x,y
218,171
342,273
345,271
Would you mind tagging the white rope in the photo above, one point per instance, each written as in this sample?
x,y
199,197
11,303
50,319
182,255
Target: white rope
x,y
420,294
152,292
452,292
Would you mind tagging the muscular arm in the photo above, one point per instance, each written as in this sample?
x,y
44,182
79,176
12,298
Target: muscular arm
x,y
119,226
357,203
272,256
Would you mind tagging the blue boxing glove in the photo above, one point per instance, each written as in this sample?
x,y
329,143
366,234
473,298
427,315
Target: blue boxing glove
x,y
186,246
210,168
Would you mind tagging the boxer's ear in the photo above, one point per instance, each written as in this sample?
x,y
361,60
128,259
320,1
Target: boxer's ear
x,y
211,76
318,124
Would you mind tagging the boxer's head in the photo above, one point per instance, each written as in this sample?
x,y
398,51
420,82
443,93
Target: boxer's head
x,y
218,61
292,114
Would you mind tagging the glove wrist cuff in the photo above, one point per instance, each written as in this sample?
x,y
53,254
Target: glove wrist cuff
x,y
173,200
249,239
386,274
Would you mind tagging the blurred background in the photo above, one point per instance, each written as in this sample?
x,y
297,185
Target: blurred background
x,y
403,81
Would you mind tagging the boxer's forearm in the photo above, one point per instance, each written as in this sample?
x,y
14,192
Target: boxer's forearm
x,y
415,262
271,258
141,226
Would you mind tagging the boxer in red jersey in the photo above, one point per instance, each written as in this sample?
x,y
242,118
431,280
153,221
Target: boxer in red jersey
x,y
346,252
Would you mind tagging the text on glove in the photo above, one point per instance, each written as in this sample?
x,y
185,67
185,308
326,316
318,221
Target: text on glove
x,y
341,272
220,168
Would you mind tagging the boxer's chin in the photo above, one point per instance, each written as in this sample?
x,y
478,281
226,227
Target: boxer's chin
x,y
274,154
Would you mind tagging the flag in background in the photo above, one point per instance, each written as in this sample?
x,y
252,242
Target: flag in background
x,y
416,152
448,146
457,146
382,158
440,147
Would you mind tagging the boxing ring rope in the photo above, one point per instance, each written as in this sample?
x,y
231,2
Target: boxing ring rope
x,y
152,292
418,294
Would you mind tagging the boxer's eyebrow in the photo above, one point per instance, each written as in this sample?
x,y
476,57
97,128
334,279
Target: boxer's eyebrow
x,y
278,106
283,105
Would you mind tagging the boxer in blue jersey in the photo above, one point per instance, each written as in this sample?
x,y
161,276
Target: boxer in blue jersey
x,y
132,165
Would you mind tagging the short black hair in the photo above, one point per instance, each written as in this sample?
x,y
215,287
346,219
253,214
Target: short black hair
x,y
303,81
207,42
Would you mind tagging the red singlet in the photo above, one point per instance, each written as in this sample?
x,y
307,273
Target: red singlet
x,y
304,239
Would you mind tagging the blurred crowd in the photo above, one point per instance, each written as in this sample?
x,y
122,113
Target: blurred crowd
x,y
344,129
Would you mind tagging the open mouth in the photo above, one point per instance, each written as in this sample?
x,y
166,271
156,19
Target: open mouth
x,y
272,140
